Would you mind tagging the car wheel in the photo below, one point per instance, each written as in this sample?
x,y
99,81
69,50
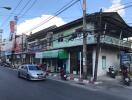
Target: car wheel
x,y
19,76
28,77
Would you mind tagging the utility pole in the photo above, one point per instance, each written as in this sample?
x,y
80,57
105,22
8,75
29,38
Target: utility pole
x,y
14,39
98,46
1,31
22,48
84,42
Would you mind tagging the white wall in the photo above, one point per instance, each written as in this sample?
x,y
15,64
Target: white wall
x,y
7,46
111,59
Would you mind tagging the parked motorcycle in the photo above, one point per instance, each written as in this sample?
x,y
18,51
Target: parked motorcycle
x,y
127,81
63,74
126,77
112,72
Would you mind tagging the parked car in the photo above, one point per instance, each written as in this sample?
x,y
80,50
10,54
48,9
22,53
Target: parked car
x,y
31,72
5,64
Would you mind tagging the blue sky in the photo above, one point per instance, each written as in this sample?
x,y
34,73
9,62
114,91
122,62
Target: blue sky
x,y
49,7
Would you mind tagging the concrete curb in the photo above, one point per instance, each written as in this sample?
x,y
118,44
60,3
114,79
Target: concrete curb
x,y
71,79
86,82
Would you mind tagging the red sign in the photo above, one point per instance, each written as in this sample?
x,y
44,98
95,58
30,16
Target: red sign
x,y
12,26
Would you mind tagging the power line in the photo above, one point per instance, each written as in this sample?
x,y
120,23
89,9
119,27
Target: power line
x,y
48,19
123,8
80,8
128,3
29,8
58,11
24,7
6,20
81,5
56,14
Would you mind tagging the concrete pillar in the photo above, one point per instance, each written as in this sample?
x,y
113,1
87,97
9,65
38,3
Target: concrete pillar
x,y
68,66
41,61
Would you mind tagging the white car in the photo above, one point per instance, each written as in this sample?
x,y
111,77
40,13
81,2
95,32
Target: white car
x,y
31,72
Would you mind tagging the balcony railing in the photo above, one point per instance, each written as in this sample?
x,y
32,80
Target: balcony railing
x,y
114,41
91,39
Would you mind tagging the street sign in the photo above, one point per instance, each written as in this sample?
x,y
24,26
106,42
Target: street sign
x,y
125,58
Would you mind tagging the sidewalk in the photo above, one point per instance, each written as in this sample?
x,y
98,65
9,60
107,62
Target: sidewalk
x,y
103,81
104,84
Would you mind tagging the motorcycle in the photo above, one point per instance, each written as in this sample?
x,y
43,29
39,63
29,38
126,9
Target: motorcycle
x,y
64,77
127,81
126,77
112,72
63,74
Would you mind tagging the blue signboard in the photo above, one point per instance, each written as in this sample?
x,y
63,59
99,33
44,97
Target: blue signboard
x,y
125,58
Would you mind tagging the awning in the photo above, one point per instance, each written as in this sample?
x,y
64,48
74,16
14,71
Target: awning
x,y
60,54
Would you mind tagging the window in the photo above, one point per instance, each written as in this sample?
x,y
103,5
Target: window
x,y
103,62
60,38
44,44
33,68
25,67
50,40
22,67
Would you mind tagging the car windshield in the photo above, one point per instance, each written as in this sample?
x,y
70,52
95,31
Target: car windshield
x,y
33,67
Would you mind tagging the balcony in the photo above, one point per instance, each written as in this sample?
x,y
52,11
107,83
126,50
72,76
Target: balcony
x,y
114,41
91,39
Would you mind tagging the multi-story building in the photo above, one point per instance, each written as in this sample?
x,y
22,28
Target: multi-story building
x,y
66,43
38,42
19,49
14,50
6,49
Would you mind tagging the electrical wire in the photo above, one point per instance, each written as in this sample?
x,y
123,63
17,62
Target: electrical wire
x,y
6,20
125,4
56,14
96,30
81,5
80,2
123,8
28,8
58,10
28,2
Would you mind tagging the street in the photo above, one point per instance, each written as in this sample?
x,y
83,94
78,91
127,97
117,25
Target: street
x,y
14,88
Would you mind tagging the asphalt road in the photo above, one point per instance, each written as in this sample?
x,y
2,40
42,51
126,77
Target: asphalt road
x,y
14,88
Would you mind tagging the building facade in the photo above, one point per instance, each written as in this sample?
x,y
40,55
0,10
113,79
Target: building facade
x,y
38,42
68,40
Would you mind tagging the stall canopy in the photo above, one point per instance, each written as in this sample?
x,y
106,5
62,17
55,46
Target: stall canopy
x,y
60,54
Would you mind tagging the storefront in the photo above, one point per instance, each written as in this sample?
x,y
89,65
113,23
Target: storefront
x,y
53,59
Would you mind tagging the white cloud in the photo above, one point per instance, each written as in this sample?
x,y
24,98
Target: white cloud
x,y
29,24
116,4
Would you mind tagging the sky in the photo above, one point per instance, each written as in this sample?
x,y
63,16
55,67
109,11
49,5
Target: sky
x,y
33,12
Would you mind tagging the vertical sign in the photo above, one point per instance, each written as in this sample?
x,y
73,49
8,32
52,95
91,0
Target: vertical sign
x,y
12,26
12,29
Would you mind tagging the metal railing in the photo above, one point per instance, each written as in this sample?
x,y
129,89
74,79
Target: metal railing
x,y
115,41
91,39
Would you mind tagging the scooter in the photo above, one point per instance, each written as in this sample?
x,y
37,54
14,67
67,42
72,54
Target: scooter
x,y
125,76
112,72
127,81
63,75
